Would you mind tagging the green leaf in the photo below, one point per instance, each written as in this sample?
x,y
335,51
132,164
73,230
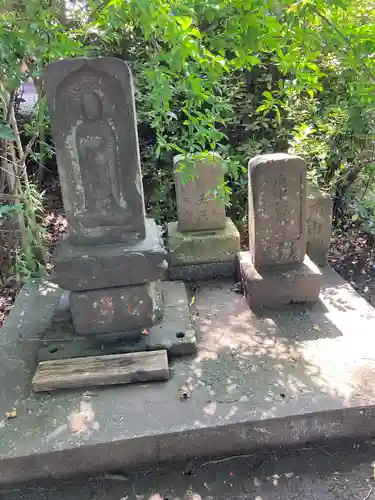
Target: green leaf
x,y
6,209
278,116
6,133
268,95
184,22
253,60
263,107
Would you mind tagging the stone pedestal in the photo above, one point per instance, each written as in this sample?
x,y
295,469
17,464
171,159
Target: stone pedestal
x,y
113,258
275,271
201,247
120,309
319,225
89,267
173,333
204,242
114,286
272,287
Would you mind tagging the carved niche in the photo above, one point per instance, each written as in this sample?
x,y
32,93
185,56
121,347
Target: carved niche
x,y
91,103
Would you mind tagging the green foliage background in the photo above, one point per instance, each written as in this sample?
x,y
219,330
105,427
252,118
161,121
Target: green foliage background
x,y
240,77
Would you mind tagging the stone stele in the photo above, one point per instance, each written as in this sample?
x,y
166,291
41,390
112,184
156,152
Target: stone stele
x,y
276,270
91,104
204,242
198,205
113,258
277,209
319,225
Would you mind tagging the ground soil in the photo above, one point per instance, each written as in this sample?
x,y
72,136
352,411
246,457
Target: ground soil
x,y
55,224
352,256
351,253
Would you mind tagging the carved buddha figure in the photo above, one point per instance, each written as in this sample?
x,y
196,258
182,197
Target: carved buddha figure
x,y
97,155
314,225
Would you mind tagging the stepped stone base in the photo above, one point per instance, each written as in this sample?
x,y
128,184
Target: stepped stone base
x,y
93,267
174,332
280,285
202,247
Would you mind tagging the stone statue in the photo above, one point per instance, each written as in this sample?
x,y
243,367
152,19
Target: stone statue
x,y
94,128
97,154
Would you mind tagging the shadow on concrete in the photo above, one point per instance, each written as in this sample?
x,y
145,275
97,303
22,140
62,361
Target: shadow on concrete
x,y
337,301
341,295
278,362
299,322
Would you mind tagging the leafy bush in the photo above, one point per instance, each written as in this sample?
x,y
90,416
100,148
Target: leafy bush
x,y
244,78
30,35
240,78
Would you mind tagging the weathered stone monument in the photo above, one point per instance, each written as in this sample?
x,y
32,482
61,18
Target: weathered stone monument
x,y
204,242
276,270
319,225
113,259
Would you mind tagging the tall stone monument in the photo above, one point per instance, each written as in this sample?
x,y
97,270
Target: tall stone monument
x,y
276,270
113,257
204,242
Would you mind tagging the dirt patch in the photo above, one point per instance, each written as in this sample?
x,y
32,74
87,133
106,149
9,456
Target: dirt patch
x,y
8,294
352,256
55,224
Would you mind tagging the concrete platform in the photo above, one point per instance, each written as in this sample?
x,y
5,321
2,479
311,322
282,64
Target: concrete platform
x,y
284,378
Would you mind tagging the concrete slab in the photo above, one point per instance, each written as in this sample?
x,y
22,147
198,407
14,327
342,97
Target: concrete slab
x,y
282,378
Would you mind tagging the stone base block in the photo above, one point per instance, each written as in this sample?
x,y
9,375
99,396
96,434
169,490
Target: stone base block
x,y
106,266
199,247
103,234
174,332
277,286
120,309
201,272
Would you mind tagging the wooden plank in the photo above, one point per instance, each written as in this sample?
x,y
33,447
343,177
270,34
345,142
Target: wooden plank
x,y
101,370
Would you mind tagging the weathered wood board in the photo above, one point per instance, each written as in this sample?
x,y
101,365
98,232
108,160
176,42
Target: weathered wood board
x,y
93,371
